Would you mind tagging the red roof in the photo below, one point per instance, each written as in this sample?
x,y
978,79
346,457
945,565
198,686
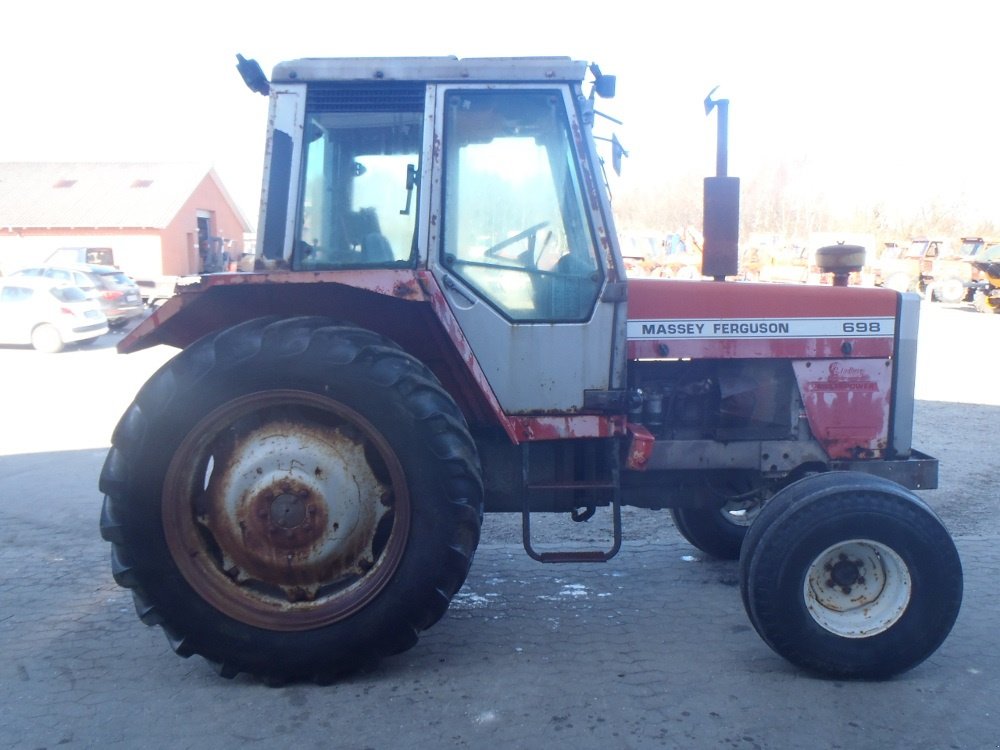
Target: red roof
x,y
77,195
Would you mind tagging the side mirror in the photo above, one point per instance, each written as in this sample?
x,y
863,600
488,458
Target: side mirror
x,y
252,75
604,85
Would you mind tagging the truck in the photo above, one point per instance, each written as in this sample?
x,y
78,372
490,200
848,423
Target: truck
x,y
931,267
439,325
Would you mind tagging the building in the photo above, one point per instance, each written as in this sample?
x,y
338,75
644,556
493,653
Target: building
x,y
159,219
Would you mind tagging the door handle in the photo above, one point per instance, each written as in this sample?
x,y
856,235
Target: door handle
x,y
451,286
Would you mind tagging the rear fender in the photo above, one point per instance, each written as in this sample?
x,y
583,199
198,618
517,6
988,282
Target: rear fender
x,y
210,303
390,302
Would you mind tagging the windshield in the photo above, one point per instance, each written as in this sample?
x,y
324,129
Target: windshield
x,y
970,248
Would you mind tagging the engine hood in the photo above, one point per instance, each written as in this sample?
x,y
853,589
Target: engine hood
x,y
678,319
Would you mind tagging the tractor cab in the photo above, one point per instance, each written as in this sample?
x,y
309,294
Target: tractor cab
x,y
474,175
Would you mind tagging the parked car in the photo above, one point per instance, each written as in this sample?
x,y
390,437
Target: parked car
x,y
119,296
47,314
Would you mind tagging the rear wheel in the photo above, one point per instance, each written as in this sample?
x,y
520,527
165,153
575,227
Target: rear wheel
x,y
46,338
850,575
292,498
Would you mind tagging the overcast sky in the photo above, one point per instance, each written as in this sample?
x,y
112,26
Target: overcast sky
x,y
882,98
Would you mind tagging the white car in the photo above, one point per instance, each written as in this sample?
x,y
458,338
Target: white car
x,y
47,314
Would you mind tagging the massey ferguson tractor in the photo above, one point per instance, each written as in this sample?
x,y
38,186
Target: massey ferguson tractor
x,y
439,325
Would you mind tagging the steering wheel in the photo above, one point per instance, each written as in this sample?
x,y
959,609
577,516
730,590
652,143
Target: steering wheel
x,y
525,234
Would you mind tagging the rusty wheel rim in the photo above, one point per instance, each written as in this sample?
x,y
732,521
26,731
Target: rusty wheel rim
x,y
286,510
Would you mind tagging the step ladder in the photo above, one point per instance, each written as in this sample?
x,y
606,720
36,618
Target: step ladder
x,y
589,488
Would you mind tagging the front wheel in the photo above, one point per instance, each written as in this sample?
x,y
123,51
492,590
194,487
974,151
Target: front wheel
x,y
950,291
292,498
718,532
983,302
850,575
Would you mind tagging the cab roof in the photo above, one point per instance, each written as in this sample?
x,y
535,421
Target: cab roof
x,y
450,69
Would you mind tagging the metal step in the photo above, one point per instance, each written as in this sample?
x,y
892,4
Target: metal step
x,y
610,484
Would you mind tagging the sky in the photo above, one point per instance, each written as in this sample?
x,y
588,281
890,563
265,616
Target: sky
x,y
885,99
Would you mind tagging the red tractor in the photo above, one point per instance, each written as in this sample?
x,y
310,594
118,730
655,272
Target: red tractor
x,y
440,325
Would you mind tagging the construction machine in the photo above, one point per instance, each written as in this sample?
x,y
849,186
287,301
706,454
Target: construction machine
x,y
439,325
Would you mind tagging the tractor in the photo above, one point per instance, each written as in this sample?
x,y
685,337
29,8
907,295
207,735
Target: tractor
x,y
438,324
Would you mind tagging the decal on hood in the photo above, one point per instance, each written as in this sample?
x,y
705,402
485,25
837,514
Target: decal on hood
x,y
761,328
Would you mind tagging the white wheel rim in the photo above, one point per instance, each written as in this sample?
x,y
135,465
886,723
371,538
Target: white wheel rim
x,y
857,588
741,513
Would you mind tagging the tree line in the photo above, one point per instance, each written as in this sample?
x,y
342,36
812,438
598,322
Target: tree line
x,y
780,200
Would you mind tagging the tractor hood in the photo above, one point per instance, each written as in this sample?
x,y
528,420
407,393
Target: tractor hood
x,y
679,319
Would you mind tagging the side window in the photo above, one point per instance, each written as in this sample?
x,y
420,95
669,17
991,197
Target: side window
x,y
14,294
59,274
515,225
361,164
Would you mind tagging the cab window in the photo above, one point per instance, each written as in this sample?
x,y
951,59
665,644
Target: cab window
x,y
361,161
515,225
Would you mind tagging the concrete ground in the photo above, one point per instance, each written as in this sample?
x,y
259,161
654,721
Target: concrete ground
x,y
652,649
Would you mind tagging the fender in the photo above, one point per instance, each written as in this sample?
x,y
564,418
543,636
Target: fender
x,y
418,315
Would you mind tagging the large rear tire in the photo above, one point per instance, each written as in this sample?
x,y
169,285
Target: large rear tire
x,y
292,498
850,575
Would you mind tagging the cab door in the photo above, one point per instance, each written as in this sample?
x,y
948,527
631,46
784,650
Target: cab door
x,y
513,244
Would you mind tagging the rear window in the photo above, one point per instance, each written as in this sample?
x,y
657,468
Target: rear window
x,y
115,277
68,294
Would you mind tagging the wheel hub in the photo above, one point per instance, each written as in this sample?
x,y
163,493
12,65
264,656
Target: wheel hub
x,y
845,573
857,588
291,506
288,511
296,511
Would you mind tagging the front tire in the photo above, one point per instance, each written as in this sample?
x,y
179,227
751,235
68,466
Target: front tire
x,y
950,291
292,498
718,532
850,575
